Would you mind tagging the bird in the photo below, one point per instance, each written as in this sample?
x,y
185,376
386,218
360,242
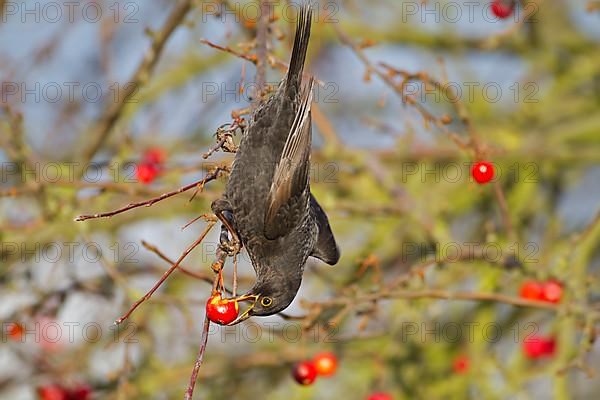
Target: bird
x,y
267,207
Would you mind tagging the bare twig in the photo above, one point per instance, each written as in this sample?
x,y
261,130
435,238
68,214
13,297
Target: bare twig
x,y
162,256
189,393
428,117
167,273
447,295
147,203
115,109
261,49
235,275
251,58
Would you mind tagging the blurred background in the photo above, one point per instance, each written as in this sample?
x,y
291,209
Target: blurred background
x,y
448,288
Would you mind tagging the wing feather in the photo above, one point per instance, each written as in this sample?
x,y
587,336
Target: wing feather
x,y
292,171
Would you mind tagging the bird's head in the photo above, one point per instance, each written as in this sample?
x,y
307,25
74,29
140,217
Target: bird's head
x,y
267,298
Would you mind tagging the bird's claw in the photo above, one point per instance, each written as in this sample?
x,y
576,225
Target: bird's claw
x,y
230,247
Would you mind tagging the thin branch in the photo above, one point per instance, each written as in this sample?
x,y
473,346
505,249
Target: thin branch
x,y
399,89
189,393
115,109
162,256
273,62
446,295
214,148
262,31
198,275
147,203
252,58
167,273
235,275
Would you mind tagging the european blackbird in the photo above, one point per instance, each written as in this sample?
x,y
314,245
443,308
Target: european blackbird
x,y
268,206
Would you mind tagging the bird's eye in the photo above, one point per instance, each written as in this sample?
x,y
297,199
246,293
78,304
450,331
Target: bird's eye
x,y
266,301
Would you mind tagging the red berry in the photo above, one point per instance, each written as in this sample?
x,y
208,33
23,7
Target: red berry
x,y
532,290
461,364
304,373
52,392
380,396
325,363
80,392
552,291
533,347
549,346
154,156
537,347
503,8
221,311
482,172
14,330
146,172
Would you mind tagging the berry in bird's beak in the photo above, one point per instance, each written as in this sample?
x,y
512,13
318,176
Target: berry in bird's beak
x,y
246,314
221,311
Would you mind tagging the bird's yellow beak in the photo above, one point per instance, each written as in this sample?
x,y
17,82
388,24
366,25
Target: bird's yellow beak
x,y
246,314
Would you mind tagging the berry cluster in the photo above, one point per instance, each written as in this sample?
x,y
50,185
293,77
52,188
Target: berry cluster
x,y
150,166
550,291
323,364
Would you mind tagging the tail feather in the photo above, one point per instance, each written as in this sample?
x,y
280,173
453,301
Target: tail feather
x,y
294,75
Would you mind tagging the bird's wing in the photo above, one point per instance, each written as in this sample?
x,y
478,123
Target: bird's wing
x,y
326,248
291,176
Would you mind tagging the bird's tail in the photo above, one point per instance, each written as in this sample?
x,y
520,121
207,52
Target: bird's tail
x,y
294,75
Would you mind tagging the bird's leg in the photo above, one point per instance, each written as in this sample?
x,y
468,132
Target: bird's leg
x,y
223,211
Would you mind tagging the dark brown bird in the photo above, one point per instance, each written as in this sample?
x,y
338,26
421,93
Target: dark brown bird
x,y
268,207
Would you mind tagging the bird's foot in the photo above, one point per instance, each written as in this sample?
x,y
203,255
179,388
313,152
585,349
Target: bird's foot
x,y
230,247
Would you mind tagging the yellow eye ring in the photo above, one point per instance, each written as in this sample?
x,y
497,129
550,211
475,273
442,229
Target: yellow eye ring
x,y
266,301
